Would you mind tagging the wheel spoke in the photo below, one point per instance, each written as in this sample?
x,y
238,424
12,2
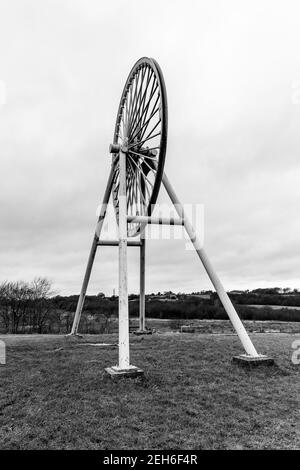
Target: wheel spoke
x,y
152,130
145,110
154,110
141,127
140,86
142,155
135,83
136,179
137,117
152,169
142,101
145,124
141,171
141,142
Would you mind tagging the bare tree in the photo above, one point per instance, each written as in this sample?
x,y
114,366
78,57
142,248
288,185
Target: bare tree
x,y
41,292
15,301
25,304
4,306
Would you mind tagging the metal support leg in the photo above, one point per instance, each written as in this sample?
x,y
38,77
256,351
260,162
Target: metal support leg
x,y
92,254
124,368
142,286
123,292
229,308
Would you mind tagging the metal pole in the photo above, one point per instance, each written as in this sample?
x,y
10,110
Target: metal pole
x,y
116,243
229,308
123,290
143,219
142,285
92,254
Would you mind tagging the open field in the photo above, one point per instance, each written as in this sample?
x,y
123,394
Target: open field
x,y
54,394
213,326
275,307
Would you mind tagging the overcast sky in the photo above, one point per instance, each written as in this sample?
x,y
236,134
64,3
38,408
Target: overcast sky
x,y
232,71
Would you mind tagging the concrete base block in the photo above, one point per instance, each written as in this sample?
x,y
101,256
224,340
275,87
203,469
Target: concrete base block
x,y
253,361
132,372
142,332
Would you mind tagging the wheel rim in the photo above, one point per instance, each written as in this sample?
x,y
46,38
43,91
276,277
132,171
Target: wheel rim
x,y
141,129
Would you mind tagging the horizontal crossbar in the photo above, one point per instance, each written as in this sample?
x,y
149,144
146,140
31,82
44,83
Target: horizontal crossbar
x,y
116,243
143,219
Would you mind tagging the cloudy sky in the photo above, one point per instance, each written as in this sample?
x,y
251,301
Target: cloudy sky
x,y
232,71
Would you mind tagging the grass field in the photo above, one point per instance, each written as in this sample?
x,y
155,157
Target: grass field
x,y
54,394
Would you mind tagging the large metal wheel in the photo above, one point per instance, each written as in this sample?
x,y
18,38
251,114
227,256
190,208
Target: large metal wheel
x,y
141,133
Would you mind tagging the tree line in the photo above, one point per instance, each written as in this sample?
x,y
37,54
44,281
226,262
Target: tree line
x,y
34,307
26,306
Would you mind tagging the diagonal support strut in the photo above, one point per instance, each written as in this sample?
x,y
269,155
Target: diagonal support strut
x,y
229,308
93,250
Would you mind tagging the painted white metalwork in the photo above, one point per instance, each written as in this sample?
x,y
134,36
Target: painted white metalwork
x,y
229,308
123,290
142,322
123,295
143,219
134,181
93,250
116,243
